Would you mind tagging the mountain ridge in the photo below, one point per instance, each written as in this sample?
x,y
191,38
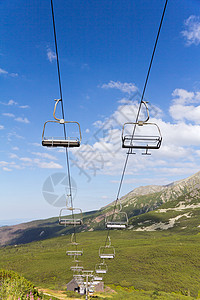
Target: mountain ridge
x,y
141,205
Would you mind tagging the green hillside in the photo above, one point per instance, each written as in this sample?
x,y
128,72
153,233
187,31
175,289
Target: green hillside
x,y
167,202
180,216
16,287
149,261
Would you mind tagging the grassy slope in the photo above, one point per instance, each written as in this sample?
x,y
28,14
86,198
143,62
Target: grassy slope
x,y
148,261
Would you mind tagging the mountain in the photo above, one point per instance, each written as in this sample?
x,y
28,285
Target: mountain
x,y
149,208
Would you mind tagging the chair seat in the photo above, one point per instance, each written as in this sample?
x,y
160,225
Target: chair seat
x,y
60,143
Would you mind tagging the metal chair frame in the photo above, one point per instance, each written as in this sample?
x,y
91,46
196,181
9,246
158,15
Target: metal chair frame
x,y
71,221
101,268
61,142
107,255
141,141
117,224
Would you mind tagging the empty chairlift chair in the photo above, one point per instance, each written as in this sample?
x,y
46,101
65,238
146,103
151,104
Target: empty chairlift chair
x,y
76,268
141,134
73,250
117,220
97,278
75,218
61,141
107,251
101,268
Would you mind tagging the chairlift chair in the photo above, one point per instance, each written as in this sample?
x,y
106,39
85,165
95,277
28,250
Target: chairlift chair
x,y
101,268
74,252
118,220
59,141
88,273
74,219
97,278
76,268
143,140
107,251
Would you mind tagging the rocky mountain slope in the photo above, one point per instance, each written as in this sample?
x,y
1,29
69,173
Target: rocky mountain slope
x,y
149,208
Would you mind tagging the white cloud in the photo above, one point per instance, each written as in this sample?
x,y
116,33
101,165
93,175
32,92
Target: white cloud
x,y
28,162
14,74
22,120
24,106
15,135
3,72
123,87
44,155
1,127
181,108
15,148
13,155
87,130
182,96
51,55
8,115
177,152
192,30
181,112
9,103
25,159
3,163
47,165
36,144
7,169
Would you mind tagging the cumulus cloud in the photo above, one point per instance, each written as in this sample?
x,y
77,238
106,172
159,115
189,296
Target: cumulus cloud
x,y
9,103
44,155
51,56
182,96
22,120
123,87
192,30
181,108
47,165
4,72
8,115
178,151
30,162
7,169
24,106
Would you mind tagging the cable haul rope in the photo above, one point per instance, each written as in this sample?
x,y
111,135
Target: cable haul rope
x,y
66,142
107,241
62,107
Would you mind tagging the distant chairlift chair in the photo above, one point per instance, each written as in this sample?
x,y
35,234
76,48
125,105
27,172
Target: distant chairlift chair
x,y
107,251
118,220
101,268
60,142
75,219
75,253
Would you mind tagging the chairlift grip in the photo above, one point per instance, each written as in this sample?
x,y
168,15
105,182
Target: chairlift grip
x,y
54,111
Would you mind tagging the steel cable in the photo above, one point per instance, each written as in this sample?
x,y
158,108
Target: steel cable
x,y
63,115
138,113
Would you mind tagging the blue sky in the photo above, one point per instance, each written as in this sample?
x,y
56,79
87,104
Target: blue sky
x,y
104,51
